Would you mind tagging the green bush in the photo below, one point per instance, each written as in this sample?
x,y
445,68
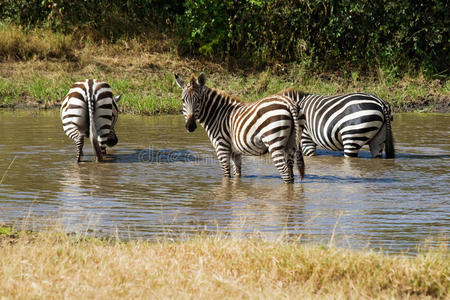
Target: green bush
x,y
320,34
363,34
105,19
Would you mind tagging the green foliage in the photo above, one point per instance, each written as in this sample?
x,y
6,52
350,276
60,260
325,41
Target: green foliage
x,y
103,19
318,34
329,34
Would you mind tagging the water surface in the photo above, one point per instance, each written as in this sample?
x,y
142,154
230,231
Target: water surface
x,y
161,180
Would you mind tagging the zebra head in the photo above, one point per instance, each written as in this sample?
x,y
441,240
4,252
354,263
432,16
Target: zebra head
x,y
192,96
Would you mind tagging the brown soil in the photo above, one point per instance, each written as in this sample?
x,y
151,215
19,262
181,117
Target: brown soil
x,y
430,103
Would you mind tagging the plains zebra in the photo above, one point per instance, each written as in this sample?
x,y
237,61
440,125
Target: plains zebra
x,y
345,122
272,124
90,110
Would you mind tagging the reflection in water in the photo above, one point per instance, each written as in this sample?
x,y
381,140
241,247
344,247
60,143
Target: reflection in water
x,y
83,189
256,207
161,181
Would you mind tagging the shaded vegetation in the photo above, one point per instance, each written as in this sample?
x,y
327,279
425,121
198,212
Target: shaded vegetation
x,y
325,35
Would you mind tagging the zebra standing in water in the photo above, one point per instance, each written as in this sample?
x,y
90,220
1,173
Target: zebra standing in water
x,y
345,122
90,110
272,125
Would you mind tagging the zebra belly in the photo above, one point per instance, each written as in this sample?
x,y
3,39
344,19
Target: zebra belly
x,y
258,143
313,135
250,152
358,134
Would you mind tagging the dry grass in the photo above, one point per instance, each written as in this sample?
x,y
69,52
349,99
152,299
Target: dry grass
x,y
16,43
53,265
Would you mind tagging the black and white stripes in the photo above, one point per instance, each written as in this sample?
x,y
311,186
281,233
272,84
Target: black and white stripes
x,y
89,110
345,122
273,124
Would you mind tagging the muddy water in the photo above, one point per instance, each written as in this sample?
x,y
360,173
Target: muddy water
x,y
160,180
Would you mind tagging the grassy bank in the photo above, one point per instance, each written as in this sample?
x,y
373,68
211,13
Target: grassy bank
x,y
52,265
38,67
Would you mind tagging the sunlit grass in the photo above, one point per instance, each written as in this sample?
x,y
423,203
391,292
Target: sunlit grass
x,y
8,93
38,68
52,264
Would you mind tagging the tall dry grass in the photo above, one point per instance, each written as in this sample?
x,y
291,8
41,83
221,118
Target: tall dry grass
x,y
17,43
53,265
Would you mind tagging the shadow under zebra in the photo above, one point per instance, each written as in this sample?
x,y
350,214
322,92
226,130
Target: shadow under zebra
x,y
150,155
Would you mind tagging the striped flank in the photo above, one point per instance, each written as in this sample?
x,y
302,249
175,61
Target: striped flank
x,y
345,122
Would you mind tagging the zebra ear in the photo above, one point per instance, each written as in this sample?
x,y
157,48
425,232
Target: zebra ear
x,y
179,81
117,98
202,79
193,81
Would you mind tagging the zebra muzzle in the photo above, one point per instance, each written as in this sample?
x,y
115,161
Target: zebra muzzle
x,y
190,123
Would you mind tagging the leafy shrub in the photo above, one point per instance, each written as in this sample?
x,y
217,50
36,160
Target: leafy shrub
x,y
106,19
324,34
362,34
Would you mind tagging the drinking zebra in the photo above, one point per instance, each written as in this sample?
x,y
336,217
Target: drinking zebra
x,y
345,122
90,110
272,124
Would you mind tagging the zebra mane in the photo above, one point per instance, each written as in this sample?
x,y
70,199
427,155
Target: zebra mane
x,y
225,95
293,91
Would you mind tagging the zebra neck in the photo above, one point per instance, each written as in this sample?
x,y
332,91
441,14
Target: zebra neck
x,y
217,107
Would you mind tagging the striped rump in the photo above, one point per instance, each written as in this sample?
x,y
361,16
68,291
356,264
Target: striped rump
x,y
345,122
90,110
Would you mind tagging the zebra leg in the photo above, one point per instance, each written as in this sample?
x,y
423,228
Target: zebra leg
x,y
308,146
102,142
237,163
225,164
284,167
103,147
351,149
224,158
290,162
80,143
290,154
376,145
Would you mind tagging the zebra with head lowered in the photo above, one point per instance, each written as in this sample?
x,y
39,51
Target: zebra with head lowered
x,y
345,122
273,124
89,109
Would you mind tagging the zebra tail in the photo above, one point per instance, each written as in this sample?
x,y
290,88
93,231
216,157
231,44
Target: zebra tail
x,y
295,111
93,137
389,141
